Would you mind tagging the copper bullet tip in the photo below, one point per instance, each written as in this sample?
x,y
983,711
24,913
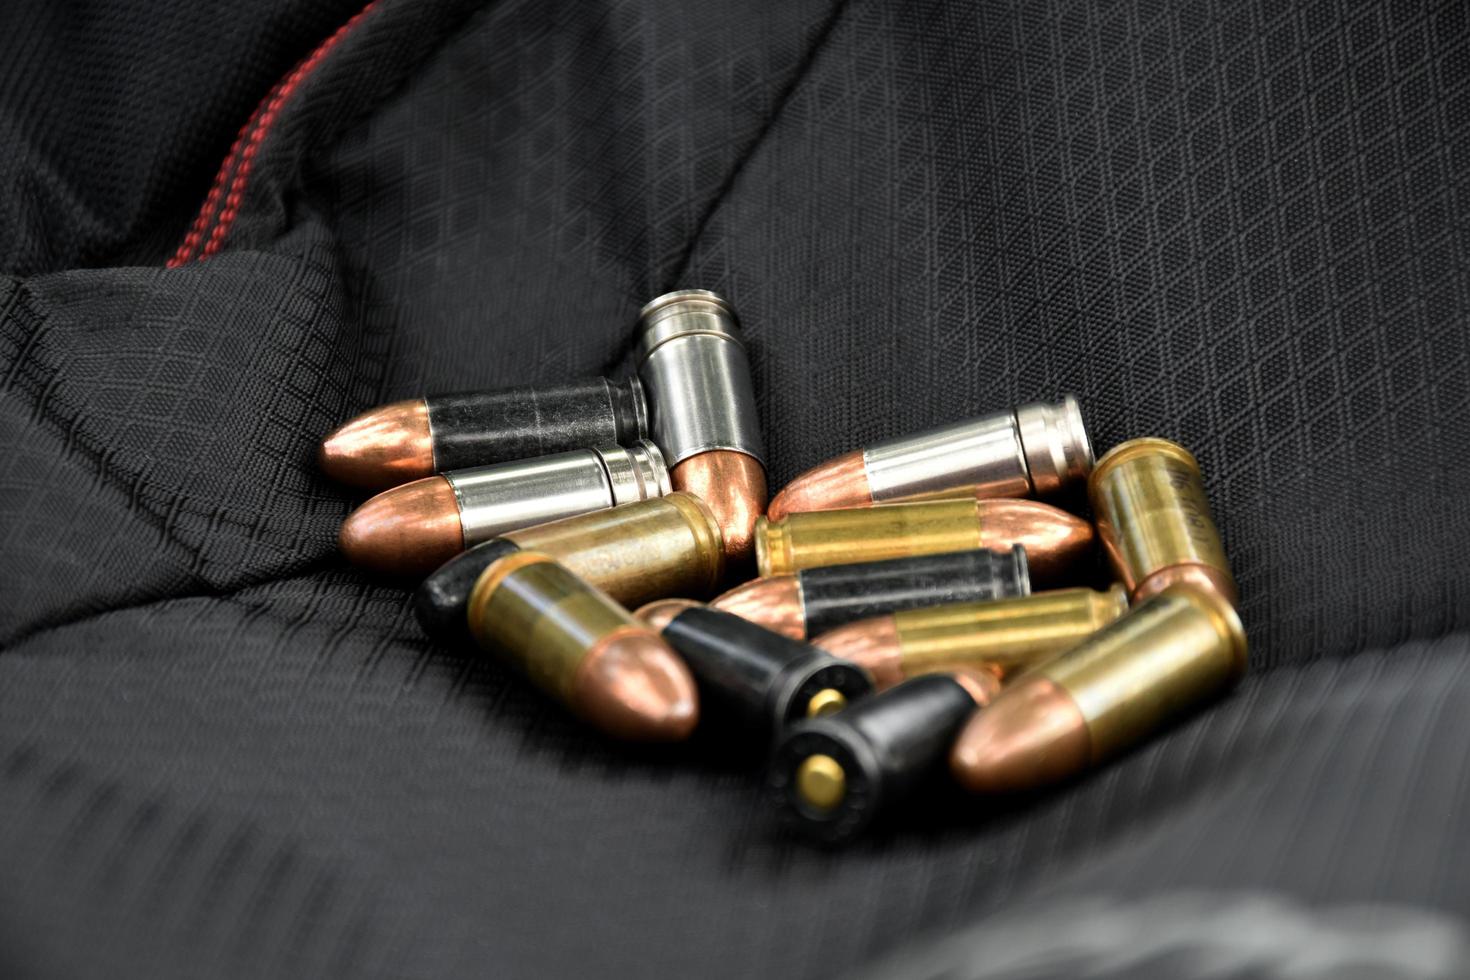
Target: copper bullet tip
x,y
1032,735
381,448
661,612
633,686
774,603
733,484
835,484
872,644
1054,539
406,531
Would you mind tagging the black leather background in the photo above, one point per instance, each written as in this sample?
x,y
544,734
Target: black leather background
x,y
223,752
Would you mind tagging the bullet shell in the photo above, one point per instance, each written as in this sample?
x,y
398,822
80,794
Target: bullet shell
x,y
412,529
583,649
636,552
752,681
1005,636
406,440
1174,651
702,408
1154,521
832,777
1037,449
1053,539
816,600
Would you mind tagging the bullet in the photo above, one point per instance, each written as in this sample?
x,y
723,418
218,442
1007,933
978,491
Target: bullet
x,y
1005,636
583,649
636,552
412,529
406,440
1154,521
816,600
1053,539
1037,449
752,681
832,777
702,408
1174,651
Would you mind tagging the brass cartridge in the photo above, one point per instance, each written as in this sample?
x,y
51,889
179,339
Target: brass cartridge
x,y
1154,521
1053,539
583,649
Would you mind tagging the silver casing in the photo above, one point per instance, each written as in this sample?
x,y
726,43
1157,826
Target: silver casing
x,y
1035,449
697,376
509,496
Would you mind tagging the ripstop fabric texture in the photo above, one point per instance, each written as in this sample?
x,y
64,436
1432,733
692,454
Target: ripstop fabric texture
x,y
225,752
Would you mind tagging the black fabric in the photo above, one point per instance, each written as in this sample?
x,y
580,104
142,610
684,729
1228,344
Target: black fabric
x,y
223,752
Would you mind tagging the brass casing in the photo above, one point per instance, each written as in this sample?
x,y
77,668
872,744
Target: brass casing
x,y
1008,636
1154,521
1175,650
638,552
837,537
542,618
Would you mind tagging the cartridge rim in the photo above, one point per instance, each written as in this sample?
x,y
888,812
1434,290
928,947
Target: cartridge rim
x,y
823,673
635,473
1125,452
770,539
640,406
1225,617
859,803
706,527
659,319
678,295
1055,447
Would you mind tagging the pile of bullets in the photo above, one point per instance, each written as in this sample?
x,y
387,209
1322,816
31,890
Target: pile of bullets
x,y
892,634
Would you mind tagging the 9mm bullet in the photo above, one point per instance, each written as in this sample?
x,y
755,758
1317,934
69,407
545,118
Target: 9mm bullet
x,y
832,777
1175,650
1005,636
407,440
702,408
1053,539
1154,520
583,649
1037,449
634,552
412,529
815,600
751,680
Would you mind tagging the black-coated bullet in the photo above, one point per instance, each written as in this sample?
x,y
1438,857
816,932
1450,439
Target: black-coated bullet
x,y
816,600
832,777
407,440
752,681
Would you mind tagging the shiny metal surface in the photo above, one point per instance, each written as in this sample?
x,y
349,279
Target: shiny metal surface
x,y
697,377
982,453
1155,521
1035,449
1055,442
496,499
664,546
1172,651
582,648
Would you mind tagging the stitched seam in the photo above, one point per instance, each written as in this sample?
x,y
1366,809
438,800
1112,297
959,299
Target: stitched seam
x,y
210,208
241,160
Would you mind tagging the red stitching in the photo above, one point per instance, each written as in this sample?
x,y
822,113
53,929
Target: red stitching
x,y
235,170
